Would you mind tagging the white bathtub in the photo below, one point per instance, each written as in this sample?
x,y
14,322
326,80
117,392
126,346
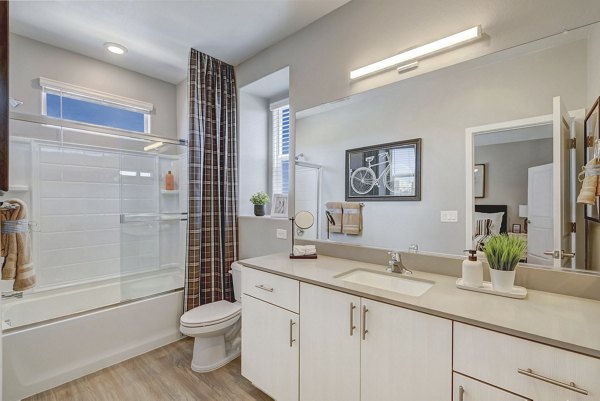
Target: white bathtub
x,y
54,337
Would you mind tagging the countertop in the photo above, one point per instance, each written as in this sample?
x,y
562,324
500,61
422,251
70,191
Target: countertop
x,y
558,320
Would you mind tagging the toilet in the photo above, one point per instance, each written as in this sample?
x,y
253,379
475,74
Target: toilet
x,y
216,329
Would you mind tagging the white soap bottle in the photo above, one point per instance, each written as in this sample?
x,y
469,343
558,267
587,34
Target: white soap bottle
x,y
472,270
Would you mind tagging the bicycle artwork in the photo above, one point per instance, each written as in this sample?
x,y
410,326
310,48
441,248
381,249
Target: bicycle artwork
x,y
384,172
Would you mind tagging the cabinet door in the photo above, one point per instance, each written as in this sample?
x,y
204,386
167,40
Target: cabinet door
x,y
467,389
270,348
405,355
330,351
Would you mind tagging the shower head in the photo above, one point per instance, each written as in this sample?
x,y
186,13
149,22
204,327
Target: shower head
x,y
299,157
14,102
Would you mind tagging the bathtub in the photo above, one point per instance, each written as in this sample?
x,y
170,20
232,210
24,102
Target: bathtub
x,y
52,337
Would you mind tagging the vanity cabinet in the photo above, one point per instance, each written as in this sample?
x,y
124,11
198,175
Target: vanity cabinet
x,y
467,389
354,348
270,345
532,370
330,351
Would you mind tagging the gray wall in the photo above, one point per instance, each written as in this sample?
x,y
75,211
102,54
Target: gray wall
x,y
506,170
253,149
30,60
437,107
258,236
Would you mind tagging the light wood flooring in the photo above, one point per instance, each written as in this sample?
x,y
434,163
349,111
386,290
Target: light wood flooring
x,y
160,375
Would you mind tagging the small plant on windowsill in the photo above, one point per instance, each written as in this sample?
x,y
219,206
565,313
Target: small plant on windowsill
x,y
259,200
503,253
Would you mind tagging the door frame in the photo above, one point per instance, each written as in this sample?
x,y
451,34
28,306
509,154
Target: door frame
x,y
470,133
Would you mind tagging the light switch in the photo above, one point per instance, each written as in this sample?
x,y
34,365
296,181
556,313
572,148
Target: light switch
x,y
449,216
281,234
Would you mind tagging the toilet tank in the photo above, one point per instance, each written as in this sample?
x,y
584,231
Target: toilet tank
x,y
236,274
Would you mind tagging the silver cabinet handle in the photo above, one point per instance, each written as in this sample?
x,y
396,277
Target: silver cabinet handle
x,y
569,386
364,322
292,323
262,287
352,326
461,393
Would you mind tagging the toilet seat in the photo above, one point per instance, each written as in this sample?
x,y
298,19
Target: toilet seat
x,y
211,314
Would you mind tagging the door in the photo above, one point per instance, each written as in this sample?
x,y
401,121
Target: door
x,y
467,389
330,352
270,348
405,355
563,237
540,230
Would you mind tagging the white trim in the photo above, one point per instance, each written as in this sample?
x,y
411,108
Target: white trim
x,y
279,104
50,84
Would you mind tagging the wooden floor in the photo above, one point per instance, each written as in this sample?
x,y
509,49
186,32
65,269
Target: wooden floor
x,y
160,375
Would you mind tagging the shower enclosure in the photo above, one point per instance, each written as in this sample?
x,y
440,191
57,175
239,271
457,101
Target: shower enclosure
x,y
107,238
308,196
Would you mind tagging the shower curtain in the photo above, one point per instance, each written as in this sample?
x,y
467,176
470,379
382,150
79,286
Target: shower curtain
x,y
212,225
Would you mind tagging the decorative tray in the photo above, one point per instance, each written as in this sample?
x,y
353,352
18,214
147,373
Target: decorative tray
x,y
517,292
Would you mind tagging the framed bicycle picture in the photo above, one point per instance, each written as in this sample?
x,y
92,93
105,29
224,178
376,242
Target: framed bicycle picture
x,y
386,172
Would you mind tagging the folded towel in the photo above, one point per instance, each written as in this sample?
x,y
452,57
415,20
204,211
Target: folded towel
x,y
301,250
591,185
352,218
335,209
15,246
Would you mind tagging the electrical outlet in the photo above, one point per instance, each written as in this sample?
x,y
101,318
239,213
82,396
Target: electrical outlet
x,y
449,216
281,234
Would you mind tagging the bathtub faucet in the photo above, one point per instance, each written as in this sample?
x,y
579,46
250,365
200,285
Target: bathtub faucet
x,y
14,294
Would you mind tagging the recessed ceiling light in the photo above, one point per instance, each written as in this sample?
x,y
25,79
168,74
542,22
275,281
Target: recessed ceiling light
x,y
115,48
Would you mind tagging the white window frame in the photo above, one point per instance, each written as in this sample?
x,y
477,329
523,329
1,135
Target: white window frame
x,y
276,156
94,96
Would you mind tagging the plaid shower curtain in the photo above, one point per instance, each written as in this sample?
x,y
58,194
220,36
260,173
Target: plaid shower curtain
x,y
212,225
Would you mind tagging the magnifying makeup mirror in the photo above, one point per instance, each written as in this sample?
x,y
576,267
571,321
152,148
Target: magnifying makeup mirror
x,y
303,221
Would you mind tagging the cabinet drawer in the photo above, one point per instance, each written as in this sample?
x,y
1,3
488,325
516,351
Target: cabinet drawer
x,y
534,370
277,290
467,389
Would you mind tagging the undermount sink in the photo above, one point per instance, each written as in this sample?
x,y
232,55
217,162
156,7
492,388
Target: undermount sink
x,y
387,281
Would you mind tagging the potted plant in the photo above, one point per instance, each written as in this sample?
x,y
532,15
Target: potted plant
x,y
503,253
259,200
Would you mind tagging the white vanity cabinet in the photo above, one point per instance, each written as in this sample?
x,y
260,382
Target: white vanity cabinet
x,y
532,370
330,351
270,332
354,348
467,389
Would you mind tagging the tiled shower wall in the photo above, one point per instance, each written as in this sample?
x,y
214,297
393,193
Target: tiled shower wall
x,y
81,195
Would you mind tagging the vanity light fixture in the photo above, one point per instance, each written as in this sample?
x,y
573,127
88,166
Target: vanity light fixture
x,y
419,52
115,48
154,145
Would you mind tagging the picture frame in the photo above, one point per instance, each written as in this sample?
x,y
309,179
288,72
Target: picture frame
x,y
479,181
591,126
279,205
384,172
516,228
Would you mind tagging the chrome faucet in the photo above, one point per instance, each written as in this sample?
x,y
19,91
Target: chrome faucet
x,y
395,264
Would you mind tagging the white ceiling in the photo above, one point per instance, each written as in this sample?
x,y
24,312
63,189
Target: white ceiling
x,y
159,34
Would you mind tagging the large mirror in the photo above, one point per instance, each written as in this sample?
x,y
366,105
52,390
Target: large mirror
x,y
495,132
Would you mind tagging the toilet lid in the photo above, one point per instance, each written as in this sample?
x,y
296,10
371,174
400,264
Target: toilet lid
x,y
210,313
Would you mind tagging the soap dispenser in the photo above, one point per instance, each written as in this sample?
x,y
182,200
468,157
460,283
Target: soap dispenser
x,y
472,270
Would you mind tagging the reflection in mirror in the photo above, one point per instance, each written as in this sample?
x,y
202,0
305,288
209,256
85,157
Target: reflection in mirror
x,y
515,84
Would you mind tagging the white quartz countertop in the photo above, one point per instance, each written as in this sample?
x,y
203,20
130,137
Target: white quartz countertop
x,y
563,321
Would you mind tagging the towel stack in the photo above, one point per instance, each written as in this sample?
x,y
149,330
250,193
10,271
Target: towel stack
x,y
304,250
15,246
590,188
347,217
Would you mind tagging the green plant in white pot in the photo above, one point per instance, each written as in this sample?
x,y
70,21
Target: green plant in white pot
x,y
259,200
503,253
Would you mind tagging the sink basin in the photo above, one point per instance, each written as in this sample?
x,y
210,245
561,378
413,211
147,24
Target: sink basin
x,y
387,281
